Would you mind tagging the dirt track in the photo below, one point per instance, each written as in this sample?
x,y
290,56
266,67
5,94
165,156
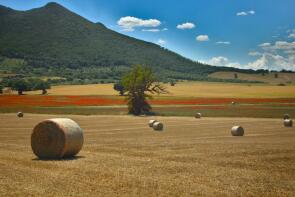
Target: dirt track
x,y
123,156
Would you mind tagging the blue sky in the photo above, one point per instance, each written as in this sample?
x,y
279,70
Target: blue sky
x,y
239,33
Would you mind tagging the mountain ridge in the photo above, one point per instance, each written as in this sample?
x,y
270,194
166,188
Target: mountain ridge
x,y
53,38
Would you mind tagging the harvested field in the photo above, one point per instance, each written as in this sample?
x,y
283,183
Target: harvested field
x,y
286,78
187,89
191,157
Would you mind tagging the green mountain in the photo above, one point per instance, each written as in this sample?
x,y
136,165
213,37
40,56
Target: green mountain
x,y
54,41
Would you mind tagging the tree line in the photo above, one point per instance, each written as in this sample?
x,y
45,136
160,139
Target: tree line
x,y
21,85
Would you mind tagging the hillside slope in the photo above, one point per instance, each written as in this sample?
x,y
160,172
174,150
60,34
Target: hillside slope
x,y
56,41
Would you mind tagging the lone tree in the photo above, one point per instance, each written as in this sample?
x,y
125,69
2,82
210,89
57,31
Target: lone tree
x,y
138,83
1,89
120,88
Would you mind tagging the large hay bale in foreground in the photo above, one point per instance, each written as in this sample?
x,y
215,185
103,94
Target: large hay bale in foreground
x,y
151,122
286,116
237,131
56,138
20,114
288,123
198,115
157,126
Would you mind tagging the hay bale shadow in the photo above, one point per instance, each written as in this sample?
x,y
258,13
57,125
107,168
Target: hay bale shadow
x,y
61,159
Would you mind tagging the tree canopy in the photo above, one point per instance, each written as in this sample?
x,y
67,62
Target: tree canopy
x,y
140,83
21,85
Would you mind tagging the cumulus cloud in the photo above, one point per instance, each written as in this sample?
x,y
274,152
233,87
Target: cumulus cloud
x,y
128,23
278,45
186,25
223,42
246,13
292,35
218,61
202,38
277,56
271,61
161,42
283,45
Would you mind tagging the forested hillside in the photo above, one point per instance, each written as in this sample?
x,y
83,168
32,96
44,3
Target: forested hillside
x,y
53,41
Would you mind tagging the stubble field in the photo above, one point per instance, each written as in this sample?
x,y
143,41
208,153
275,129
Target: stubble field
x,y
186,89
122,156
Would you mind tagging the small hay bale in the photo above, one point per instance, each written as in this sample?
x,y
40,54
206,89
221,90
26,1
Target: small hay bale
x,y
233,103
157,126
56,138
151,122
198,115
286,116
20,114
237,131
288,123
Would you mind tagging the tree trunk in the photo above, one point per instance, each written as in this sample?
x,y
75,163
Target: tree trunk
x,y
20,92
44,91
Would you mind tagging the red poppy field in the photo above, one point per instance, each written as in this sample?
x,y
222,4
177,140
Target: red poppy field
x,y
243,107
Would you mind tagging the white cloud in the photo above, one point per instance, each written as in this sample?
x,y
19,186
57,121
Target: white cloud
x,y
128,23
279,45
271,61
266,61
151,30
283,45
292,35
202,38
254,53
252,12
266,44
277,56
186,25
242,14
218,61
223,42
246,13
154,30
161,42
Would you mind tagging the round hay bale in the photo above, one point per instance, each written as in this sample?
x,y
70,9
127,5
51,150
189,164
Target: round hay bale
x,y
286,116
56,138
198,115
20,114
151,122
157,126
233,103
237,131
288,123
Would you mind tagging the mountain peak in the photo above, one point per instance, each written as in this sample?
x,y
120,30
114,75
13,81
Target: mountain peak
x,y
53,5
